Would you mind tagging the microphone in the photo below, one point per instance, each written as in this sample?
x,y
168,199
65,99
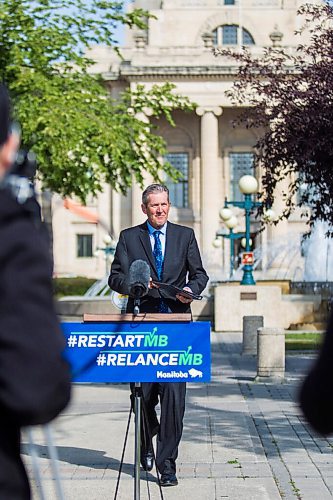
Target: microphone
x,y
138,279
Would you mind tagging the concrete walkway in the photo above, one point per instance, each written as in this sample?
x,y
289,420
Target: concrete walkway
x,y
242,440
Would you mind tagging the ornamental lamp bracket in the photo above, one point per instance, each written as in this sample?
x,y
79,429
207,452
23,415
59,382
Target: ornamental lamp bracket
x,y
208,39
276,36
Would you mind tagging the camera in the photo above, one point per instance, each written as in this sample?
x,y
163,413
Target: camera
x,y
25,164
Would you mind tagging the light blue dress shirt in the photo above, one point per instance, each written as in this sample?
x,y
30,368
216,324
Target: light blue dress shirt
x,y
151,230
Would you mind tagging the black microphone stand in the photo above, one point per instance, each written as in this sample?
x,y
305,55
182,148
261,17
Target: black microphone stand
x,y
137,292
136,309
137,410
137,452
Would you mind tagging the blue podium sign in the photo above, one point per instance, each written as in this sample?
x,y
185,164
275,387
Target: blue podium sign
x,y
138,352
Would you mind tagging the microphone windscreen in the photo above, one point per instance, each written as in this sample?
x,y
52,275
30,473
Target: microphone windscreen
x,y
138,278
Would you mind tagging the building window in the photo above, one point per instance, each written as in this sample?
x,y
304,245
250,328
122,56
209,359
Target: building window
x,y
178,190
84,245
229,2
247,38
240,164
229,33
305,190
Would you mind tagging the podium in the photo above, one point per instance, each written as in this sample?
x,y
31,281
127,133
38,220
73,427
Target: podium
x,y
138,348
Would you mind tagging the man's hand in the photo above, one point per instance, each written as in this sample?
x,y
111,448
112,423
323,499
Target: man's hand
x,y
151,284
185,300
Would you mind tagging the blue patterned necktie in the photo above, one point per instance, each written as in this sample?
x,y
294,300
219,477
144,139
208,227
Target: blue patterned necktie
x,y
163,308
158,254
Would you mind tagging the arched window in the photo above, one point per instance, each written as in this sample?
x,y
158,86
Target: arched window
x,y
229,33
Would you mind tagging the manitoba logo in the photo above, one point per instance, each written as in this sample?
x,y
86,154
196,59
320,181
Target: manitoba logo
x,y
195,373
192,373
173,374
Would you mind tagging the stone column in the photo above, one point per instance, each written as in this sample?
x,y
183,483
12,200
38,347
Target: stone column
x,y
271,355
279,237
211,182
115,213
251,324
137,215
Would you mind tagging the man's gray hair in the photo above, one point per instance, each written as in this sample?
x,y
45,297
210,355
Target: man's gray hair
x,y
152,189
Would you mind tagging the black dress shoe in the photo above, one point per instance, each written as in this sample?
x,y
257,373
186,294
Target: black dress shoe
x,y
147,461
169,480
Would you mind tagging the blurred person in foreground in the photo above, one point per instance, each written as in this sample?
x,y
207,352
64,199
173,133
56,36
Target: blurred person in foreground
x,y
34,378
316,394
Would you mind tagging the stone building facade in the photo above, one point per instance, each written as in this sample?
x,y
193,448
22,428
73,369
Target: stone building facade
x,y
204,145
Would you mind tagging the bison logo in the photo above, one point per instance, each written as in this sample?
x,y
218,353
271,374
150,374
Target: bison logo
x,y
195,373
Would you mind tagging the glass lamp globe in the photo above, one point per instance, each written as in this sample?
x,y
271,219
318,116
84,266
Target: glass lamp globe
x,y
225,213
107,239
232,222
243,242
248,184
269,215
217,243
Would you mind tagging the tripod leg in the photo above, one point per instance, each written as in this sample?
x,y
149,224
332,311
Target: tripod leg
x,y
141,417
54,461
123,453
35,464
138,409
145,419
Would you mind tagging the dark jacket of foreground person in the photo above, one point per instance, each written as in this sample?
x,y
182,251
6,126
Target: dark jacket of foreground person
x,y
316,395
34,378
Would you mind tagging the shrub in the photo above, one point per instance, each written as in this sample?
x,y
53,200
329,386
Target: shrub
x,y
71,286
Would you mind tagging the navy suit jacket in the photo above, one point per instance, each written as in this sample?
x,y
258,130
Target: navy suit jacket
x,y
182,265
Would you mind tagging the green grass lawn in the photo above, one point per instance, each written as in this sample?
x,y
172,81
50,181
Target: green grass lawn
x,y
303,341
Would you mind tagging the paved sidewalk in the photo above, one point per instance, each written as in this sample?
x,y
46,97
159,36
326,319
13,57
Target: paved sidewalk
x,y
241,440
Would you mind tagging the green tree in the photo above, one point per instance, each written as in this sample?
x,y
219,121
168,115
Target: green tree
x,y
290,97
81,137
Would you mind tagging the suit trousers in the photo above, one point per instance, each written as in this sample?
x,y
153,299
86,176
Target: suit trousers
x,y
169,429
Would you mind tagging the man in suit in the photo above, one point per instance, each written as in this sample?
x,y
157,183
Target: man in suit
x,y
173,255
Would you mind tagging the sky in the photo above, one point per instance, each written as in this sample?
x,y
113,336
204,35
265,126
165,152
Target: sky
x,y
120,32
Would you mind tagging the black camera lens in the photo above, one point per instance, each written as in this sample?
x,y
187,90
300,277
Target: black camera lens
x,y
25,164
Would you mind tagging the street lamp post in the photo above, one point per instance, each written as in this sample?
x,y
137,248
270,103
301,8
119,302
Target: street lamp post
x,y
248,186
108,251
231,222
232,236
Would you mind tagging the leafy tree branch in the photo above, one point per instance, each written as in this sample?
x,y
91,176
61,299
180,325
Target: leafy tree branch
x,y
81,136
290,96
